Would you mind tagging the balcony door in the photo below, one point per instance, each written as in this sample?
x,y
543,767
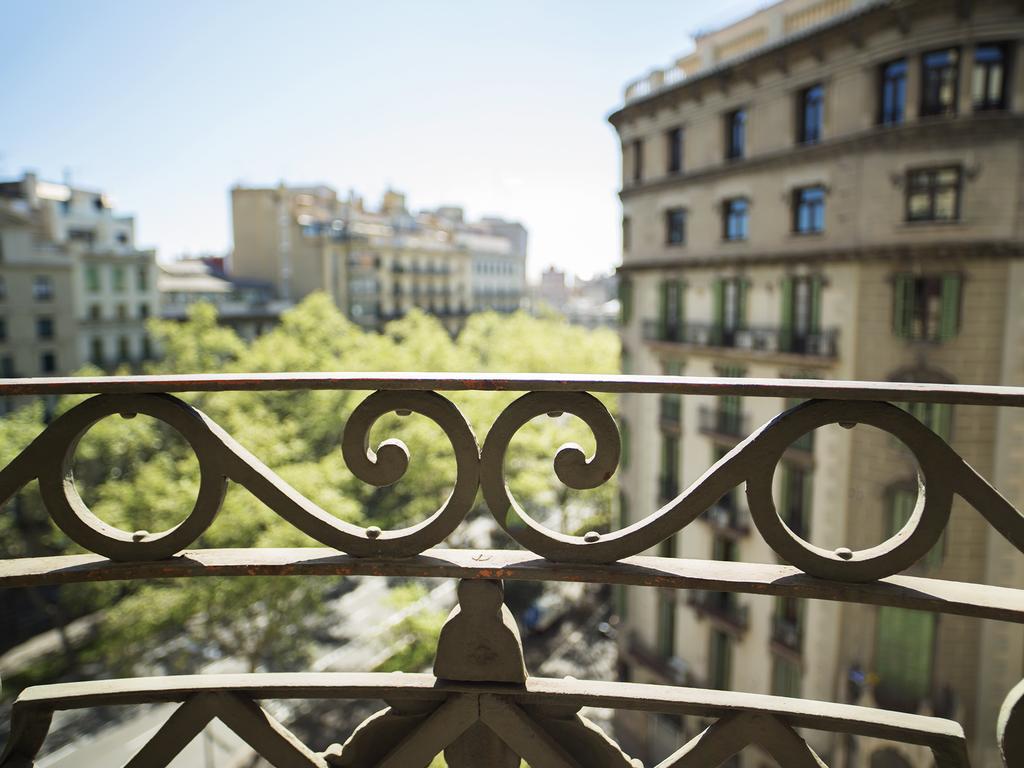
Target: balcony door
x,y
729,309
801,313
670,311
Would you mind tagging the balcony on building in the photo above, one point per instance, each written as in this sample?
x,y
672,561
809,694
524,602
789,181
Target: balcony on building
x,y
670,414
722,422
787,634
776,340
668,488
721,608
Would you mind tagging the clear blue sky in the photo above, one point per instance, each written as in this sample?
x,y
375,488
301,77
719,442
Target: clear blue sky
x,y
499,107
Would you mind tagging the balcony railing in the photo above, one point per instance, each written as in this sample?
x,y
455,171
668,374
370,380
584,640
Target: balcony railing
x,y
787,633
727,519
479,705
670,414
722,422
723,607
668,488
762,339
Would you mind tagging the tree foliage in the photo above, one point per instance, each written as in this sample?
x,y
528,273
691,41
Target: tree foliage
x,y
140,474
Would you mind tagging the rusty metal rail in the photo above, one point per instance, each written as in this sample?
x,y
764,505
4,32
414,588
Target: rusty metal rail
x,y
489,713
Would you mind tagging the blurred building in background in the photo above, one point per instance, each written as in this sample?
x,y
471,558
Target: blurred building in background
x,y
825,189
590,302
74,288
377,265
248,307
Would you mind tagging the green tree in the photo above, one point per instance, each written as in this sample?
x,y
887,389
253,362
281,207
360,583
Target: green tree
x,y
139,474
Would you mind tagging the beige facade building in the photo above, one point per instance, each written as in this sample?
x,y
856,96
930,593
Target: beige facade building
x,y
826,189
377,265
76,289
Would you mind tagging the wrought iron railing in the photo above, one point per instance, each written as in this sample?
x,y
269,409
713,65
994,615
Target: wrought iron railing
x,y
480,706
726,517
767,339
723,606
670,414
715,420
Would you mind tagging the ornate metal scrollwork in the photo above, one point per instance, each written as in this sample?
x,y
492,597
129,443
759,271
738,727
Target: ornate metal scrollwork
x,y
571,466
221,458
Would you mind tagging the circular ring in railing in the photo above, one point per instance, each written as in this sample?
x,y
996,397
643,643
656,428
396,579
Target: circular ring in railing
x,y
389,462
73,516
908,545
1010,727
571,466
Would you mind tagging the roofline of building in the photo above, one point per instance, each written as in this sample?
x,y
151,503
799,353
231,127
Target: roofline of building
x,y
671,92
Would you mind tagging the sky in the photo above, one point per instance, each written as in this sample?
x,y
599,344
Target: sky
x,y
499,107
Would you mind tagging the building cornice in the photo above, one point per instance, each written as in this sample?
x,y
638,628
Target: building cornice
x,y
774,54
964,128
947,249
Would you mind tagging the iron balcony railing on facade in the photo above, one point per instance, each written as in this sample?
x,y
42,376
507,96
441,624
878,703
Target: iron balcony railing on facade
x,y
777,340
726,518
479,699
786,632
670,414
714,420
668,487
723,607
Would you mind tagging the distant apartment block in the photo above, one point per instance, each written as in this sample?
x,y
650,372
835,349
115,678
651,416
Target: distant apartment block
x,y
248,307
377,264
825,189
74,288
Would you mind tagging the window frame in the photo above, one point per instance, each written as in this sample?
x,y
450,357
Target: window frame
x,y
885,117
728,215
819,205
1005,64
674,150
42,288
736,140
804,110
932,188
931,88
673,217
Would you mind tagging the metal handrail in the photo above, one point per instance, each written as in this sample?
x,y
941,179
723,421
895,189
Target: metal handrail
x,y
500,693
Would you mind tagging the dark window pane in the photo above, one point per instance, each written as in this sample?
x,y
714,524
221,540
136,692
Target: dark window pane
x,y
812,113
939,71
989,77
894,92
736,134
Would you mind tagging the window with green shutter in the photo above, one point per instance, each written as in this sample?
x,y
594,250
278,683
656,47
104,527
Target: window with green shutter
x,y
670,310
926,308
92,278
902,501
667,623
938,417
728,309
904,655
801,312
625,300
797,494
720,661
785,677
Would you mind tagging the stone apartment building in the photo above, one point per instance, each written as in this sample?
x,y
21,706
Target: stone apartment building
x,y
377,265
74,288
825,189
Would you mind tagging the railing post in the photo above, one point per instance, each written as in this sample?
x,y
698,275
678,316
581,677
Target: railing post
x,y
480,642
